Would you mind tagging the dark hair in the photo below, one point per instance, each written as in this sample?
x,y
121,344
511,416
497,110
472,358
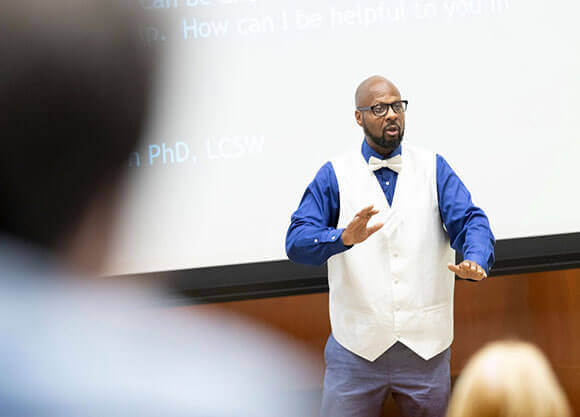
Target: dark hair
x,y
74,84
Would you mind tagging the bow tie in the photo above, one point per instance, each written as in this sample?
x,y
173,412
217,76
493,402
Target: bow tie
x,y
394,164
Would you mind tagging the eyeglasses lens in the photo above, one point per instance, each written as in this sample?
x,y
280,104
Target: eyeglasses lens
x,y
381,109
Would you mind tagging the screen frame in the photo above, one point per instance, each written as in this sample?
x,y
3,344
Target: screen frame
x,y
286,278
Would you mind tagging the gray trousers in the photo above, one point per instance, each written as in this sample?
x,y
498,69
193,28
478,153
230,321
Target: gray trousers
x,y
355,387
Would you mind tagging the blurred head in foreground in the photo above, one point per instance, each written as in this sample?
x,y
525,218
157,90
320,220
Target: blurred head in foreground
x,y
74,84
508,379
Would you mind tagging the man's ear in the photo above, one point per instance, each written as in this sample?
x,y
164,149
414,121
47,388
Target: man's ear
x,y
358,117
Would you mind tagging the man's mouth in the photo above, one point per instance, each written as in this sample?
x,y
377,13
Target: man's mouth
x,y
392,130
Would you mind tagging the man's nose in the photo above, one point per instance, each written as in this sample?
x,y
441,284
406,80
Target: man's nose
x,y
391,114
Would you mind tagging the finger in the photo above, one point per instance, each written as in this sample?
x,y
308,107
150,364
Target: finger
x,y
481,272
360,222
470,270
362,216
455,269
369,214
476,277
363,221
475,271
460,269
365,211
374,228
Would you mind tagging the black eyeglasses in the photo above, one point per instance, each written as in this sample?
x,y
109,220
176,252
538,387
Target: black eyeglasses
x,y
380,109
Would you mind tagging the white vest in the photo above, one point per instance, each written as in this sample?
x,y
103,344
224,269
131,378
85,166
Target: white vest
x,y
395,286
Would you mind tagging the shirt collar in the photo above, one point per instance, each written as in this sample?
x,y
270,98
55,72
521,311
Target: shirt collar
x,y
367,152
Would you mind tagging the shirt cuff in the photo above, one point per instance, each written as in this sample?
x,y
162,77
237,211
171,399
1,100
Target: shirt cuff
x,y
478,259
333,239
342,245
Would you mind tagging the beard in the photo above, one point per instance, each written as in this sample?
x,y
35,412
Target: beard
x,y
384,141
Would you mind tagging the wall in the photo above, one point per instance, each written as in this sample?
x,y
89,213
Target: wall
x,y
543,308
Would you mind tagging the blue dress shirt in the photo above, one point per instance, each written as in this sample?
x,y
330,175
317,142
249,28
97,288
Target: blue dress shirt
x,y
312,237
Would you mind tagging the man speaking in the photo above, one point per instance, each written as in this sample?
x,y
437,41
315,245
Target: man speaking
x,y
391,280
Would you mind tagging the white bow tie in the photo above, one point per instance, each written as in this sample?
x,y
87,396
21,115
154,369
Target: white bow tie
x,y
395,163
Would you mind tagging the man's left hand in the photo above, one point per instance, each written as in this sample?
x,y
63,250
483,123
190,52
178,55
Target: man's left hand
x,y
468,269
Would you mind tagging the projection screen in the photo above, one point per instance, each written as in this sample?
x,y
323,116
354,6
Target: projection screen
x,y
254,96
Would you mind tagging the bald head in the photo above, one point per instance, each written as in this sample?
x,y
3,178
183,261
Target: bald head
x,y
371,87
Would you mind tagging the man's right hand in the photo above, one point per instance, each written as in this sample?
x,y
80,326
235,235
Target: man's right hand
x,y
357,230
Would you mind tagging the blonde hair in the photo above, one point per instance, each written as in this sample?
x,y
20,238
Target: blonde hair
x,y
508,379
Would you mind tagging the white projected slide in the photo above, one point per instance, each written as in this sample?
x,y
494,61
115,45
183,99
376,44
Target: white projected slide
x,y
255,96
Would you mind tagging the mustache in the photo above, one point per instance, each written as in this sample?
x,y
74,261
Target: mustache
x,y
394,124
